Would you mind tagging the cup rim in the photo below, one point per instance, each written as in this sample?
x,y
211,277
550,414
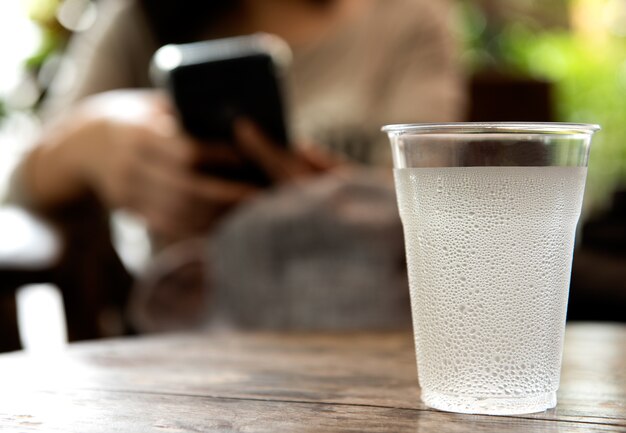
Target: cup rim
x,y
560,128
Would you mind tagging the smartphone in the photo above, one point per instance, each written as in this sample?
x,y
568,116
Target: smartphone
x,y
214,82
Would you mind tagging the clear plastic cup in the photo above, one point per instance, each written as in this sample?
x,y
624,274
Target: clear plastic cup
x,y
489,212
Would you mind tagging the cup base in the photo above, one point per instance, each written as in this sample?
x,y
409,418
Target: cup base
x,y
489,405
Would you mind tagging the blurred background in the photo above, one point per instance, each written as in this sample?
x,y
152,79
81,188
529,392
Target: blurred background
x,y
526,60
563,60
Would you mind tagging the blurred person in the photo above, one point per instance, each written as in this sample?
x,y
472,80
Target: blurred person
x,y
111,143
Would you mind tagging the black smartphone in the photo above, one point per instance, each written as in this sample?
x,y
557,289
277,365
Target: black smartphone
x,y
214,82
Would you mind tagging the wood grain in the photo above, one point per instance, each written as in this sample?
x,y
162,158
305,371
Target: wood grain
x,y
284,382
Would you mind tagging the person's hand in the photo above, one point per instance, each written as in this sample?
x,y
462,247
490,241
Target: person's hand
x,y
128,147
281,165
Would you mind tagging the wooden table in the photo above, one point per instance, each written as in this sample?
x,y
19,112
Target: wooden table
x,y
266,382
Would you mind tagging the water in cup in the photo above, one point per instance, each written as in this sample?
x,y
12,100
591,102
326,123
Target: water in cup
x,y
485,323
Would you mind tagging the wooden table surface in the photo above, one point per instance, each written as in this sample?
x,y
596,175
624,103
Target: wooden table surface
x,y
266,382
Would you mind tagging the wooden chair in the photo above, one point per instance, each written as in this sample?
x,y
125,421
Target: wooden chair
x,y
77,257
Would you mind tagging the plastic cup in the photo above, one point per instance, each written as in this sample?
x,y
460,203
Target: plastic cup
x,y
489,212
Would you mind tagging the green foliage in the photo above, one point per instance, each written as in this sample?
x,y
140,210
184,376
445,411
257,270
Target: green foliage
x,y
590,82
589,78
51,42
3,110
42,11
